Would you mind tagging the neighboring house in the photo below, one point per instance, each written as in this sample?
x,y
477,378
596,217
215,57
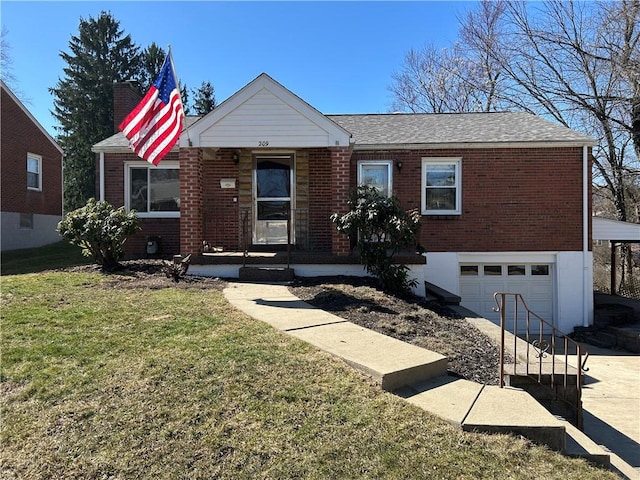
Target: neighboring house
x,y
505,197
31,178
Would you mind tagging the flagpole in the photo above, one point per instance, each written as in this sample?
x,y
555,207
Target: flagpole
x,y
175,79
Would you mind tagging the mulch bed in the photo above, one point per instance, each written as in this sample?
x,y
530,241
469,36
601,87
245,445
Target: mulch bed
x,y
470,353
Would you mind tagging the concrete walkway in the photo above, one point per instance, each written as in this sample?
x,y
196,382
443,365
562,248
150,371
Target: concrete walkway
x,y
419,376
611,403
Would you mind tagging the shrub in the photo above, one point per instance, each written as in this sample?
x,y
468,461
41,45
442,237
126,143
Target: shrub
x,y
100,230
382,229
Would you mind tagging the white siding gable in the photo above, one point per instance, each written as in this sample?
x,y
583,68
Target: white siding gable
x,y
265,114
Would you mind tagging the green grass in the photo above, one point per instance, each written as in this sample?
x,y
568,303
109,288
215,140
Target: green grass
x,y
174,383
32,260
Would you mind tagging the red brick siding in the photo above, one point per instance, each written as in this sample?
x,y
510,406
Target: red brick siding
x,y
166,228
320,199
126,96
340,185
221,212
191,201
19,137
512,199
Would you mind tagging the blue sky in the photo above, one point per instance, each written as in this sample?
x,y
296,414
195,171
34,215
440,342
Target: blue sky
x,y
337,56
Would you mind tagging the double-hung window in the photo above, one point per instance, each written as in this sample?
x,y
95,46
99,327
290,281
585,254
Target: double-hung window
x,y
441,186
34,172
376,173
153,191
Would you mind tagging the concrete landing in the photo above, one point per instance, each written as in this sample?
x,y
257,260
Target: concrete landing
x,y
488,409
507,410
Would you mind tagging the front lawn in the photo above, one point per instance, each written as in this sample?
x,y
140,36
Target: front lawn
x,y
106,378
30,260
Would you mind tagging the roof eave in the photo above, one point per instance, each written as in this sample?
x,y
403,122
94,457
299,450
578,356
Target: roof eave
x,y
31,117
473,145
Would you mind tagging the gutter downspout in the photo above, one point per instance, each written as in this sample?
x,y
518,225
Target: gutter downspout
x,y
102,176
585,237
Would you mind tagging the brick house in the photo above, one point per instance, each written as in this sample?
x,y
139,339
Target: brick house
x,y
504,197
31,173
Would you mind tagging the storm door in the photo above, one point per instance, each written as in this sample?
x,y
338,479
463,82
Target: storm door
x,y
273,197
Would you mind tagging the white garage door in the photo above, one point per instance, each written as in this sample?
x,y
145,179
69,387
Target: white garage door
x,y
479,281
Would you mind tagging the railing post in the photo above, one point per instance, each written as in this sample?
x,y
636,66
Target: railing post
x,y
502,326
579,416
542,347
289,237
245,233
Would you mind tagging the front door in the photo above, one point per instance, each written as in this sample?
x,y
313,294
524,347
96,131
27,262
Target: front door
x,y
273,196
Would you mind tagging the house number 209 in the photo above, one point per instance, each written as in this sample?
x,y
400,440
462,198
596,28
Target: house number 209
x,y
263,143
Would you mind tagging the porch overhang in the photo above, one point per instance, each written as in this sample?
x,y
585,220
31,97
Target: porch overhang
x,y
264,114
615,230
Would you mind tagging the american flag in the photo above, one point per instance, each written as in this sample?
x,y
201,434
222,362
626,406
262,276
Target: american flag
x,y
153,127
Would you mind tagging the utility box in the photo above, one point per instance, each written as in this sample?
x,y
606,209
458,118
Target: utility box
x,y
153,245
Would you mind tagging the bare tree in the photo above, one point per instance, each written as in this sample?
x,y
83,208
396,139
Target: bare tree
x,y
577,63
6,67
463,78
573,62
480,35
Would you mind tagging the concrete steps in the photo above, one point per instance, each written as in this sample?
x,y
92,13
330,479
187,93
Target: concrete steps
x,y
580,446
415,374
265,274
488,409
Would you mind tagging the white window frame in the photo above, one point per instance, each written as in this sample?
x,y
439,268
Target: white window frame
x,y
457,163
387,163
38,158
127,187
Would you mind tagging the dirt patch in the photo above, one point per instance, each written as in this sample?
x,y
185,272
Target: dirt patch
x,y
470,353
149,274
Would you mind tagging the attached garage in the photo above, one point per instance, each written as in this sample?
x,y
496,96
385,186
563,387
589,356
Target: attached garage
x,y
534,281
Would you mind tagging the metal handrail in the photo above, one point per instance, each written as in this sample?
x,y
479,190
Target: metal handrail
x,y
245,214
542,349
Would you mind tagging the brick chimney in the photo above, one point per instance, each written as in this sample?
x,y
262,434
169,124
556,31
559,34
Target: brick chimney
x,y
126,95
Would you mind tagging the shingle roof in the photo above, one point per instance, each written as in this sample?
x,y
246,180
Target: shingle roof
x,y
455,128
428,129
118,142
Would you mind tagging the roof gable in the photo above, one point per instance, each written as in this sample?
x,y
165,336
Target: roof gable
x,y
264,113
33,120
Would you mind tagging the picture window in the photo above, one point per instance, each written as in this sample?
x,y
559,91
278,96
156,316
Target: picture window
x,y
153,191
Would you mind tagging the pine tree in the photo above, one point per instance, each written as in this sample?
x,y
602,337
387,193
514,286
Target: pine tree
x,y
184,96
204,99
83,99
152,60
